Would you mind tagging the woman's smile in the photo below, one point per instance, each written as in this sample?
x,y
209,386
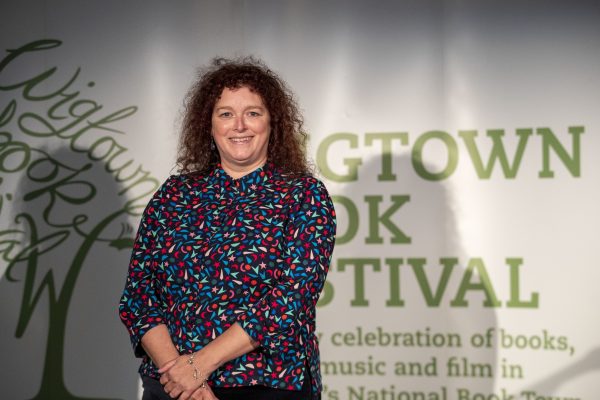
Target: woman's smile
x,y
241,129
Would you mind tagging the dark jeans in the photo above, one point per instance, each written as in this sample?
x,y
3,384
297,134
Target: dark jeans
x,y
153,390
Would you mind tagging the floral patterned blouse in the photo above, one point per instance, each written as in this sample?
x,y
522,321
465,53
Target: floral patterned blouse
x,y
212,251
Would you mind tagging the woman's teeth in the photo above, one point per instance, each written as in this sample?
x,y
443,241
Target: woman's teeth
x,y
240,140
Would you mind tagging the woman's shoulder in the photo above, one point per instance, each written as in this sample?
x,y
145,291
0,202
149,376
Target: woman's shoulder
x,y
182,183
303,182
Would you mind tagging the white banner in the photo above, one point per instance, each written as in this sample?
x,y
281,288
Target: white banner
x,y
458,140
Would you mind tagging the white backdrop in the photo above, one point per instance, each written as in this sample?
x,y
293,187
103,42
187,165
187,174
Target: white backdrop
x,y
390,91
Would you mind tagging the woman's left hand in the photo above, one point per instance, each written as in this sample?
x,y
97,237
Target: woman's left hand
x,y
179,381
177,375
205,393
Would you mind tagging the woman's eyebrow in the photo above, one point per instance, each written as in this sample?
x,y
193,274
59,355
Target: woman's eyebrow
x,y
245,108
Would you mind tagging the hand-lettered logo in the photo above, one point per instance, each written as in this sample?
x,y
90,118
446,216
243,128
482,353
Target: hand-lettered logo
x,y
67,188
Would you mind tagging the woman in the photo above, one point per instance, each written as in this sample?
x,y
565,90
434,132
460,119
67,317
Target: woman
x,y
232,254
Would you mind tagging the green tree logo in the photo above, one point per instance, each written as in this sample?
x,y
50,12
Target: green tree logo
x,y
62,149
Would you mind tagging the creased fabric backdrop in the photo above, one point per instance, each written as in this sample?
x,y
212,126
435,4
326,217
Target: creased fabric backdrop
x,y
458,138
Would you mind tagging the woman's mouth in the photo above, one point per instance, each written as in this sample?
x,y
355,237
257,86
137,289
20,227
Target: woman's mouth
x,y
241,140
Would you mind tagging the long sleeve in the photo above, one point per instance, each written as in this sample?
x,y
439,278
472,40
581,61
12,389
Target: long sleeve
x,y
140,305
309,240
212,251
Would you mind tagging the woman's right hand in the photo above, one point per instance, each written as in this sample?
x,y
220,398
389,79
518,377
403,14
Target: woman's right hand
x,y
176,378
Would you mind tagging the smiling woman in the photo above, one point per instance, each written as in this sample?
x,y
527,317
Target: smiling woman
x,y
231,255
241,129
285,148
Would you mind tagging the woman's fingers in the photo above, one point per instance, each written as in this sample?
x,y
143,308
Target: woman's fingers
x,y
163,380
185,396
173,390
167,366
205,393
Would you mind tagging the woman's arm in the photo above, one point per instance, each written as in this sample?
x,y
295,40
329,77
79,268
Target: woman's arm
x,y
233,343
308,246
158,345
140,306
178,374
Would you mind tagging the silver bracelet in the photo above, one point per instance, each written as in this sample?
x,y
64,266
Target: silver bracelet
x,y
197,374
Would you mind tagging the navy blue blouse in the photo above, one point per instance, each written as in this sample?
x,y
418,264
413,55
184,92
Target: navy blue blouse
x,y
212,251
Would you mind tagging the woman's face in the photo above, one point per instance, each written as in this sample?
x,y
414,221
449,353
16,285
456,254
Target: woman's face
x,y
241,128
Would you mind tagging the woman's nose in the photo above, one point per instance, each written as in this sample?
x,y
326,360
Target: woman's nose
x,y
240,124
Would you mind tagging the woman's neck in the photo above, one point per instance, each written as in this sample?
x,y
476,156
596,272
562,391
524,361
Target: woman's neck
x,y
238,171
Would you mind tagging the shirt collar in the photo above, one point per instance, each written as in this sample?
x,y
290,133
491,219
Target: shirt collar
x,y
246,184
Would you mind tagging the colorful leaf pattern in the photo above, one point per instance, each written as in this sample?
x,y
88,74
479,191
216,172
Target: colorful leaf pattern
x,y
212,251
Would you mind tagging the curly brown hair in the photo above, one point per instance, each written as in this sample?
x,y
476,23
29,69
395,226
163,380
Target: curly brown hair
x,y
286,148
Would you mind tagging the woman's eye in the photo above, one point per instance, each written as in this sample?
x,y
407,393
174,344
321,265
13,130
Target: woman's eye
x,y
225,114
254,114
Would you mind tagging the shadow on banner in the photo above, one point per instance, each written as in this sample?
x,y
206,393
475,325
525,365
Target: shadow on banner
x,y
68,249
65,235
404,231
